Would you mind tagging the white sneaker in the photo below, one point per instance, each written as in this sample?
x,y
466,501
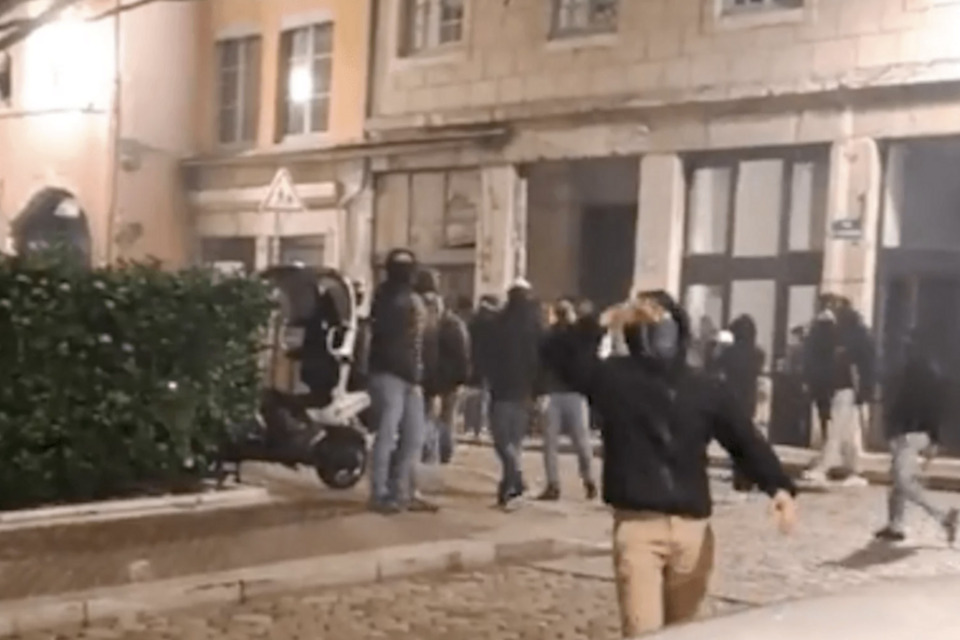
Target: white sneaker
x,y
855,481
815,475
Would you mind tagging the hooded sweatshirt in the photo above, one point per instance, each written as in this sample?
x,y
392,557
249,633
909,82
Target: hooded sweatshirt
x,y
741,363
657,419
397,321
514,373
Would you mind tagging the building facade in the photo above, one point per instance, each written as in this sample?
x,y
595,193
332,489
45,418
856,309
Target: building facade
x,y
746,155
114,154
282,86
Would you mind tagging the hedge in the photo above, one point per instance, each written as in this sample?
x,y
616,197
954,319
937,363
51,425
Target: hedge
x,y
121,380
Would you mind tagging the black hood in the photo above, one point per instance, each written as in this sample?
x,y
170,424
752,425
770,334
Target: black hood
x,y
401,267
679,316
744,331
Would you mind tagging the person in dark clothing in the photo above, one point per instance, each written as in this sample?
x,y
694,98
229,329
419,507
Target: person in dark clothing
x,y
840,377
740,365
659,416
482,350
398,318
514,377
360,367
566,411
446,368
914,400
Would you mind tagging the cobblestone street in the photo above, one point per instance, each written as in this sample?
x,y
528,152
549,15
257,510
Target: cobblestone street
x,y
574,598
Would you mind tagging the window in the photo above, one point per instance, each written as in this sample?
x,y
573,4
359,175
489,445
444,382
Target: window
x,y
307,66
6,78
239,97
305,250
429,24
229,253
746,6
579,17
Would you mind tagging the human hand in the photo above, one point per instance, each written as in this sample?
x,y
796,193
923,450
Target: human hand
x,y
784,510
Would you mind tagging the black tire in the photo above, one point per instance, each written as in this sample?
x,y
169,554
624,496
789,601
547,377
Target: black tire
x,y
340,459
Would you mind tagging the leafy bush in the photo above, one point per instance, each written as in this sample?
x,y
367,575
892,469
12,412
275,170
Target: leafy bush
x,y
115,381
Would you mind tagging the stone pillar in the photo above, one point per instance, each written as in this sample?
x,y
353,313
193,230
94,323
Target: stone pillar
x,y
849,265
501,230
660,224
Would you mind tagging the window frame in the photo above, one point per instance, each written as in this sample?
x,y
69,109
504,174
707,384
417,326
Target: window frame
x,y
6,79
287,62
726,8
559,8
246,44
412,22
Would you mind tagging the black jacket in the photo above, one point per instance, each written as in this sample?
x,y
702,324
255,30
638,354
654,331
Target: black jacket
x,y
550,380
656,428
482,327
397,321
446,351
839,354
741,364
515,352
915,396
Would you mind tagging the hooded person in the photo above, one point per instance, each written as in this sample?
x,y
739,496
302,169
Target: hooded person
x,y
397,322
658,416
482,350
740,365
514,378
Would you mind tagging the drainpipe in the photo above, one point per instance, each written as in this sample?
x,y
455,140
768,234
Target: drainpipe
x,y
115,121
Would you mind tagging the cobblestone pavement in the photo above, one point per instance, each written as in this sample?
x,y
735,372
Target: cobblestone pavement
x,y
574,598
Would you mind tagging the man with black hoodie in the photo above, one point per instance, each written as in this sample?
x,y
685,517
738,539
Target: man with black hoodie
x,y
914,400
658,417
397,321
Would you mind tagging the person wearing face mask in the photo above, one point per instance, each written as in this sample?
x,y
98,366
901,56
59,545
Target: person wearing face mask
x,y
397,322
658,416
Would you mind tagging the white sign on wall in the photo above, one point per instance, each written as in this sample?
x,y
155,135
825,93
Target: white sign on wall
x,y
282,195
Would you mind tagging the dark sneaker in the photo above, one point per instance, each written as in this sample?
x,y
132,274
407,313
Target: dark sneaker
x,y
888,534
385,507
590,488
551,493
950,525
418,504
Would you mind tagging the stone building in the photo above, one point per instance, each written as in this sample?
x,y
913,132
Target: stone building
x,y
744,154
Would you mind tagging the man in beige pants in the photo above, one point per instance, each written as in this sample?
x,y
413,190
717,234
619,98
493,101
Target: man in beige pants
x,y
658,417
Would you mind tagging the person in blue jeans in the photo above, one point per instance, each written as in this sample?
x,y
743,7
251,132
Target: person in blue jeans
x,y
514,378
397,321
565,411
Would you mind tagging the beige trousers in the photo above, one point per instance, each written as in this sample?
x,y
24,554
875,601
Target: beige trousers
x,y
662,566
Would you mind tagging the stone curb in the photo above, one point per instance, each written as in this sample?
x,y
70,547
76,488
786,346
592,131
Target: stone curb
x,y
232,587
129,509
943,474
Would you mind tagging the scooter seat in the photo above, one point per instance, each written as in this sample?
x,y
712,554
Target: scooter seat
x,y
342,410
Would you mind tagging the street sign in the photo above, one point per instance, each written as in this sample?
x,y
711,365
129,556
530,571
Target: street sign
x,y
847,229
282,196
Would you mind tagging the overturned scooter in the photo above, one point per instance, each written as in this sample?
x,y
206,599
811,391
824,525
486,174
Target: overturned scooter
x,y
320,424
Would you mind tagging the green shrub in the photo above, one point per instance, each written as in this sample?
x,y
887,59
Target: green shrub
x,y
120,380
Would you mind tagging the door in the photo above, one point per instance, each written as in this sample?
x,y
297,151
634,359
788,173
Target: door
x,y
754,246
607,247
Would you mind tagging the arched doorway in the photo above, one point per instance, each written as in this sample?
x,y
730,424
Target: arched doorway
x,y
53,217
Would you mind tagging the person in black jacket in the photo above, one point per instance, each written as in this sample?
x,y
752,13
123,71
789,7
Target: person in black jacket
x,y
658,417
476,406
514,384
395,366
741,365
914,399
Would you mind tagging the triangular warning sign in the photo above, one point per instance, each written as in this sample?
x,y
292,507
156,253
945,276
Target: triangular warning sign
x,y
281,196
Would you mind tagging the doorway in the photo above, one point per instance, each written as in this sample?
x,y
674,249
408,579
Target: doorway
x,y
756,225
605,275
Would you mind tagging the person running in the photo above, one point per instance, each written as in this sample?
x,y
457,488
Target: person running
x,y
565,411
658,418
514,385
915,396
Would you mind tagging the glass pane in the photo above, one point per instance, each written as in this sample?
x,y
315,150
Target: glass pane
x,y
296,118
229,86
758,299
251,90
704,303
756,230
229,252
300,43
227,125
801,305
808,205
229,53
709,211
323,39
306,250
320,70
319,114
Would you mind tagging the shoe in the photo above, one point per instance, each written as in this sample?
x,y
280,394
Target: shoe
x,y
385,507
815,475
855,481
889,534
590,489
550,494
950,523
419,504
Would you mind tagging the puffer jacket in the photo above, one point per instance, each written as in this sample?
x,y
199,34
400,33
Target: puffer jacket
x,y
397,323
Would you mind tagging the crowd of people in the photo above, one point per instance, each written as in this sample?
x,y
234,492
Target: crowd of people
x,y
632,371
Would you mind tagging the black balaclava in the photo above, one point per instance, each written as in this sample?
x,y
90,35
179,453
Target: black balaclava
x,y
401,267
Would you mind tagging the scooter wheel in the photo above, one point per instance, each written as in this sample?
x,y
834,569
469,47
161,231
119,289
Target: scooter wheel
x,y
341,462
